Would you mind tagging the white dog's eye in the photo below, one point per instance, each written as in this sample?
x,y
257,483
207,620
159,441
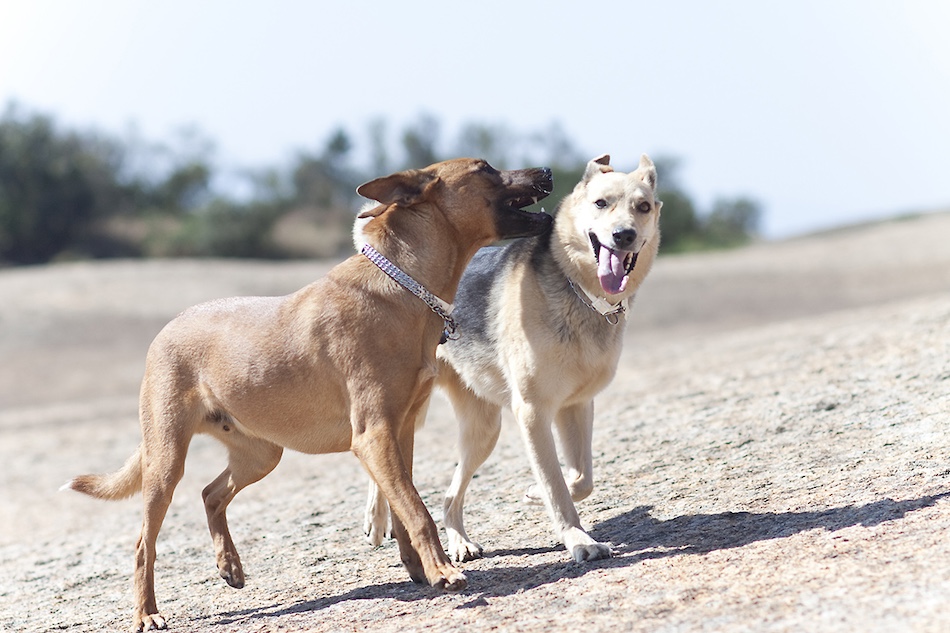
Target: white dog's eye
x,y
600,204
644,207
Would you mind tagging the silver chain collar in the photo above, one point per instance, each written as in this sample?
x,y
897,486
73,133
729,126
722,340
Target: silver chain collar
x,y
601,306
437,305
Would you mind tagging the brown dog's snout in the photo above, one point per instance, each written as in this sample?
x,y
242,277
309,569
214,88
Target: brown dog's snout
x,y
535,182
546,183
522,188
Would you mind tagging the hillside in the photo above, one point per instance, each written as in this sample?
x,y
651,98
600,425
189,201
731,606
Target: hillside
x,y
774,455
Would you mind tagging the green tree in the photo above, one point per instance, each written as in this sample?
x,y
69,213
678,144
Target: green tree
x,y
380,162
326,180
491,142
732,221
225,229
86,194
679,223
53,186
186,187
420,140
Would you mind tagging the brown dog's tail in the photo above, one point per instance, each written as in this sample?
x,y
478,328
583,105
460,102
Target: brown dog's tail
x,y
118,485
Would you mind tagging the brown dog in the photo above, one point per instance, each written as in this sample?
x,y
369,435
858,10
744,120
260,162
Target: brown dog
x,y
342,364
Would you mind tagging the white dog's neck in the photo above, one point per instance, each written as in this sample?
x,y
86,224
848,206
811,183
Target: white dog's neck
x,y
610,311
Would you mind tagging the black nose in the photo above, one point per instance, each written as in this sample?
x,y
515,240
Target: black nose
x,y
624,238
547,180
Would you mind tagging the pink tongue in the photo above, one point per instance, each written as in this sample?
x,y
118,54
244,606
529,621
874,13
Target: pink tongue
x,y
610,270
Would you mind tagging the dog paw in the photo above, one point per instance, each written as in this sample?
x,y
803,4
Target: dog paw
x,y
582,547
150,622
376,534
376,527
451,580
413,565
532,496
230,569
461,549
593,551
417,576
465,552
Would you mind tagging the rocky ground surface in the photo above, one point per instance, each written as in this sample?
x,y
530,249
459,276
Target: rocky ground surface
x,y
774,455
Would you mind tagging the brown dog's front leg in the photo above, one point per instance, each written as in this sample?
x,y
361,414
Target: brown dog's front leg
x,y
415,531
407,553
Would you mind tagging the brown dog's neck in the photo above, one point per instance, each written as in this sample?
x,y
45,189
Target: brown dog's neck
x,y
437,263
436,269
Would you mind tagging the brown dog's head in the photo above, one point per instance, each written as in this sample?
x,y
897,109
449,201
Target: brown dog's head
x,y
478,201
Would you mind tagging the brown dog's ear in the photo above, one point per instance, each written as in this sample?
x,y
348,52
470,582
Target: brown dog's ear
x,y
646,171
599,165
404,188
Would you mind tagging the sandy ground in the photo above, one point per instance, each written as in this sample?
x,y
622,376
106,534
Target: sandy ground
x,y
774,455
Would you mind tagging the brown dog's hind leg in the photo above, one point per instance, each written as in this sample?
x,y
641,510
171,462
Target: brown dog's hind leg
x,y
162,469
249,460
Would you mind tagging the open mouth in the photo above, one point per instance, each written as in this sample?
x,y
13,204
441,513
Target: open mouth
x,y
527,186
519,203
523,188
613,265
517,221
517,207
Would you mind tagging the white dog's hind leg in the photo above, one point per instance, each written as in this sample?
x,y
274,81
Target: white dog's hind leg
x,y
479,427
575,430
376,524
575,427
542,453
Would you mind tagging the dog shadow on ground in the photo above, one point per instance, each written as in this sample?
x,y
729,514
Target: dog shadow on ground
x,y
635,536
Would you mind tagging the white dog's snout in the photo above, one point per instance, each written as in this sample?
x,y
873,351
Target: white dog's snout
x,y
624,238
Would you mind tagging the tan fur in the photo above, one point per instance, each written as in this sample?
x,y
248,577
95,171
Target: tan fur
x,y
346,363
545,354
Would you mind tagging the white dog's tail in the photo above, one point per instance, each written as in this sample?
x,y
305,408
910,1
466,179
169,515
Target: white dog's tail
x,y
118,485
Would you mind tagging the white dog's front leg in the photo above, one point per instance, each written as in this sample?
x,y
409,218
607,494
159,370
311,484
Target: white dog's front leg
x,y
542,453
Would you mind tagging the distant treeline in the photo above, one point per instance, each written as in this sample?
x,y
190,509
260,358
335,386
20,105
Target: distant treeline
x,y
68,194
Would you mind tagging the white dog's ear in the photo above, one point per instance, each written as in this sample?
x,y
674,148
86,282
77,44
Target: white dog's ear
x,y
365,216
404,188
646,171
599,165
370,210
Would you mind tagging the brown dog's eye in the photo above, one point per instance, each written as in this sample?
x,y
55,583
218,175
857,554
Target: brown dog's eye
x,y
644,207
600,204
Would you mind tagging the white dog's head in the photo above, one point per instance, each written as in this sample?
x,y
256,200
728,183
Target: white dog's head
x,y
614,216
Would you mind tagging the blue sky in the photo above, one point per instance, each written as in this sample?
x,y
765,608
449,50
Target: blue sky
x,y
826,112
